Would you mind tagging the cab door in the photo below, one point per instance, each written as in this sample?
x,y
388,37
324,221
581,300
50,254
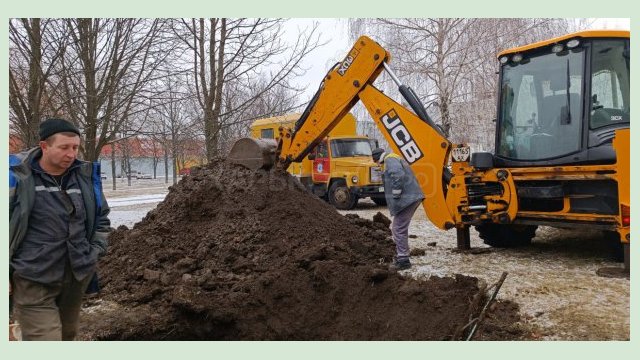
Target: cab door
x,y
321,171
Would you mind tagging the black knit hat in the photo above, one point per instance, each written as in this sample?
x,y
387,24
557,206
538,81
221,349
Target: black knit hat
x,y
376,153
54,126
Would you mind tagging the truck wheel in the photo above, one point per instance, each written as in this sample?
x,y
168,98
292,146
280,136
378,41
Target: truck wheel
x,y
341,197
505,236
612,238
379,200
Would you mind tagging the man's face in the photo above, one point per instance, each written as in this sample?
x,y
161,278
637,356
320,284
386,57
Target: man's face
x,y
59,152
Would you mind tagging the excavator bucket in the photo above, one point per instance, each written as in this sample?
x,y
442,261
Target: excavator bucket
x,y
254,154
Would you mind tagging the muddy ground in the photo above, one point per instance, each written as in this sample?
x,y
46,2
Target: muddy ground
x,y
553,280
236,255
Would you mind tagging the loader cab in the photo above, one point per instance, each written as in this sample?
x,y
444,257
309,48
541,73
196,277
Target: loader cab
x,y
561,101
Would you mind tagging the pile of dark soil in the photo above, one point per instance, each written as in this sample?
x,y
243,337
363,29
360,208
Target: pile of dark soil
x,y
233,254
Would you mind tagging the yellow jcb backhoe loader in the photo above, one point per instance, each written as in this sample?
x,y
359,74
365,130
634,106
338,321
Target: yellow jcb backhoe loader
x,y
562,139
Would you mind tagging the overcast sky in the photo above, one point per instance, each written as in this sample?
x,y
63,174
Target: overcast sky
x,y
335,33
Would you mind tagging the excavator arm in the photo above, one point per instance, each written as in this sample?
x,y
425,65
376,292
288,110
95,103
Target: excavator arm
x,y
338,93
410,134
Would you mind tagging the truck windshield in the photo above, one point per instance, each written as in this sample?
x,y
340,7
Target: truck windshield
x,y
350,147
540,112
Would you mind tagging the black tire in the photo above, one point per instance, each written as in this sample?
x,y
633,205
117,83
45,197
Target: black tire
x,y
616,247
379,200
341,197
506,236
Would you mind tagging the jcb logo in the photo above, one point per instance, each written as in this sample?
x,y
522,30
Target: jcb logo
x,y
401,137
346,63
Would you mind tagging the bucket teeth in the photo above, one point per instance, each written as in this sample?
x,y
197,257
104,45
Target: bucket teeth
x,y
254,154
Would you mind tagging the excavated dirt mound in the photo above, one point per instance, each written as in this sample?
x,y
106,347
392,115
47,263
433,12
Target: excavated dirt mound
x,y
238,255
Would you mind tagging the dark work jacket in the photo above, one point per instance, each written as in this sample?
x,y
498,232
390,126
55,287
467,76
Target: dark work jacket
x,y
82,245
401,187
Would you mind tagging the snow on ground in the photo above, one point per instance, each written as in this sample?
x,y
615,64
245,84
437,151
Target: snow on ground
x,y
129,204
136,200
129,215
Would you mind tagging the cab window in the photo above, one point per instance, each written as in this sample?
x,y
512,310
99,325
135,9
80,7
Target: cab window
x,y
322,150
266,133
610,103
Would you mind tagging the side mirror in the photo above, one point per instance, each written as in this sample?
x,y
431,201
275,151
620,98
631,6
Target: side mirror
x,y
311,156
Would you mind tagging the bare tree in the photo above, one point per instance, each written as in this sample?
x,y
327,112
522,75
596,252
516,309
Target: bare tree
x,y
174,120
33,55
106,68
277,101
237,51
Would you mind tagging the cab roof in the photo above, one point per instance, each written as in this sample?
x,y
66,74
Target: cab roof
x,y
579,34
277,119
342,137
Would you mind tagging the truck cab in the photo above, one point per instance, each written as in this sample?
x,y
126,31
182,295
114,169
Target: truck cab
x,y
339,169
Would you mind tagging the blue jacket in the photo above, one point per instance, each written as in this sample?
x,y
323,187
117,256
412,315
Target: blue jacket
x,y
401,187
22,195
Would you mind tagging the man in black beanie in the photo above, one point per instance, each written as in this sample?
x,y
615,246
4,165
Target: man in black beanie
x,y
58,229
54,126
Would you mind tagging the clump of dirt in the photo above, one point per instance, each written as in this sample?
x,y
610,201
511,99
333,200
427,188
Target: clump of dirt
x,y
233,254
502,322
381,218
613,272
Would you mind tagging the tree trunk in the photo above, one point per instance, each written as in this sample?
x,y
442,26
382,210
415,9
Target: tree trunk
x,y
446,117
36,83
174,157
166,162
113,165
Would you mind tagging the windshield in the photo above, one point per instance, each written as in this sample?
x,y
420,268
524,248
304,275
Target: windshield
x,y
350,148
540,113
610,103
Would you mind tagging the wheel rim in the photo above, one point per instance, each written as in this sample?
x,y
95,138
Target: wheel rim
x,y
341,195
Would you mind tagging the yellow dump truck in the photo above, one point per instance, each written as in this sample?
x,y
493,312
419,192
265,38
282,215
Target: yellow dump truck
x,y
339,169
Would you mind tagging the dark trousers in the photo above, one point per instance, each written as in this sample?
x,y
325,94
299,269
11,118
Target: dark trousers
x,y
48,311
94,285
400,229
